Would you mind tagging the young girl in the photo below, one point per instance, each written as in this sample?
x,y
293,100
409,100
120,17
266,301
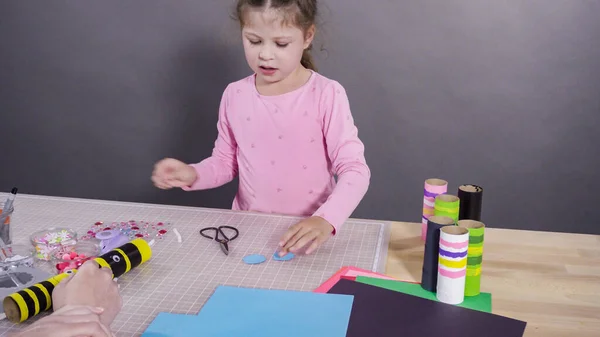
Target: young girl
x,y
285,130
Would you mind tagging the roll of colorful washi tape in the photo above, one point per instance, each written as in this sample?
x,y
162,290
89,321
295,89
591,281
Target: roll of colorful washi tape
x,y
430,256
470,202
452,264
433,188
475,255
447,205
31,301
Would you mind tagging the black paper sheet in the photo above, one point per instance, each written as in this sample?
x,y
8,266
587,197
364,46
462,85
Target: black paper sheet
x,y
470,202
379,312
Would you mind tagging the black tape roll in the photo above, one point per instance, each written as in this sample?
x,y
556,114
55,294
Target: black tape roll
x,y
471,197
432,251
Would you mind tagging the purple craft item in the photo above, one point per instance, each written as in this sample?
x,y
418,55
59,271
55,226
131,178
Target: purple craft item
x,y
111,239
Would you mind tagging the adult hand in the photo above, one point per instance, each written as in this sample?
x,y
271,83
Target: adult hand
x,y
91,286
69,321
169,173
314,229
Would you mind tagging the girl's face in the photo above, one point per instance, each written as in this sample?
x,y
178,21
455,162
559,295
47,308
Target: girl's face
x,y
273,48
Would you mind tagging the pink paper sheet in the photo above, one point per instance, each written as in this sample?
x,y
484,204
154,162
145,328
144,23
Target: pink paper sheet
x,y
348,272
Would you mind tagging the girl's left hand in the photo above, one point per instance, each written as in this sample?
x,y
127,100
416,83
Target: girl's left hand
x,y
314,229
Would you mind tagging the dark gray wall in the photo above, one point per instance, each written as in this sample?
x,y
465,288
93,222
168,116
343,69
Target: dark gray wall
x,y
505,94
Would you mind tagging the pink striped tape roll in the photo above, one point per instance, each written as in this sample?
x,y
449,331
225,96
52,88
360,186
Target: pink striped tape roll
x,y
433,187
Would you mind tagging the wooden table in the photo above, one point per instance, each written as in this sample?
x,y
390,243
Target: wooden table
x,y
550,280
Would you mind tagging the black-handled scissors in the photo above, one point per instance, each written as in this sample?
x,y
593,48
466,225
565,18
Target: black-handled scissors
x,y
223,243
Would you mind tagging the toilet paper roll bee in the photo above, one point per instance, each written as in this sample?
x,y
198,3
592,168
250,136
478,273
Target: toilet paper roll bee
x,y
31,301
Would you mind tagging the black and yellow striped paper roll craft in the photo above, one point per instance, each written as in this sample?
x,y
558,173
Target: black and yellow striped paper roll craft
x,y
33,300
474,255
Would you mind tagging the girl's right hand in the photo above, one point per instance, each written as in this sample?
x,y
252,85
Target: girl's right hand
x,y
169,173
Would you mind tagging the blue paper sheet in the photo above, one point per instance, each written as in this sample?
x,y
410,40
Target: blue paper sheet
x,y
247,312
260,312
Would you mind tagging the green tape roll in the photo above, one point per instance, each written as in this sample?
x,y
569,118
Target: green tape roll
x,y
474,256
447,205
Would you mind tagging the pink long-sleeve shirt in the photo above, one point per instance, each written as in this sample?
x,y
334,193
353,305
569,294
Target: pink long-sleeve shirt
x,y
287,150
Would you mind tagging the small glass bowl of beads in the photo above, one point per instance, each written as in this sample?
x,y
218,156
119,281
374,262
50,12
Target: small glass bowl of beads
x,y
47,240
16,255
70,257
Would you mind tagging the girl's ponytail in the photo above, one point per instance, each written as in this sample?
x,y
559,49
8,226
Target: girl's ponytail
x,y
307,60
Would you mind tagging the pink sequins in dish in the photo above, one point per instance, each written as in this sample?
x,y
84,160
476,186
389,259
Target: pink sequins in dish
x,y
132,228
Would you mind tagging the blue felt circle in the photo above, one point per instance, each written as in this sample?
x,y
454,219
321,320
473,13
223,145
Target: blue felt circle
x,y
286,257
254,259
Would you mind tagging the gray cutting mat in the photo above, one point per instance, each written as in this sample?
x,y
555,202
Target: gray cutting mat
x,y
180,277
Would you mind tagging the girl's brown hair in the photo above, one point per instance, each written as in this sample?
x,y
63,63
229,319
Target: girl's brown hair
x,y
303,13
